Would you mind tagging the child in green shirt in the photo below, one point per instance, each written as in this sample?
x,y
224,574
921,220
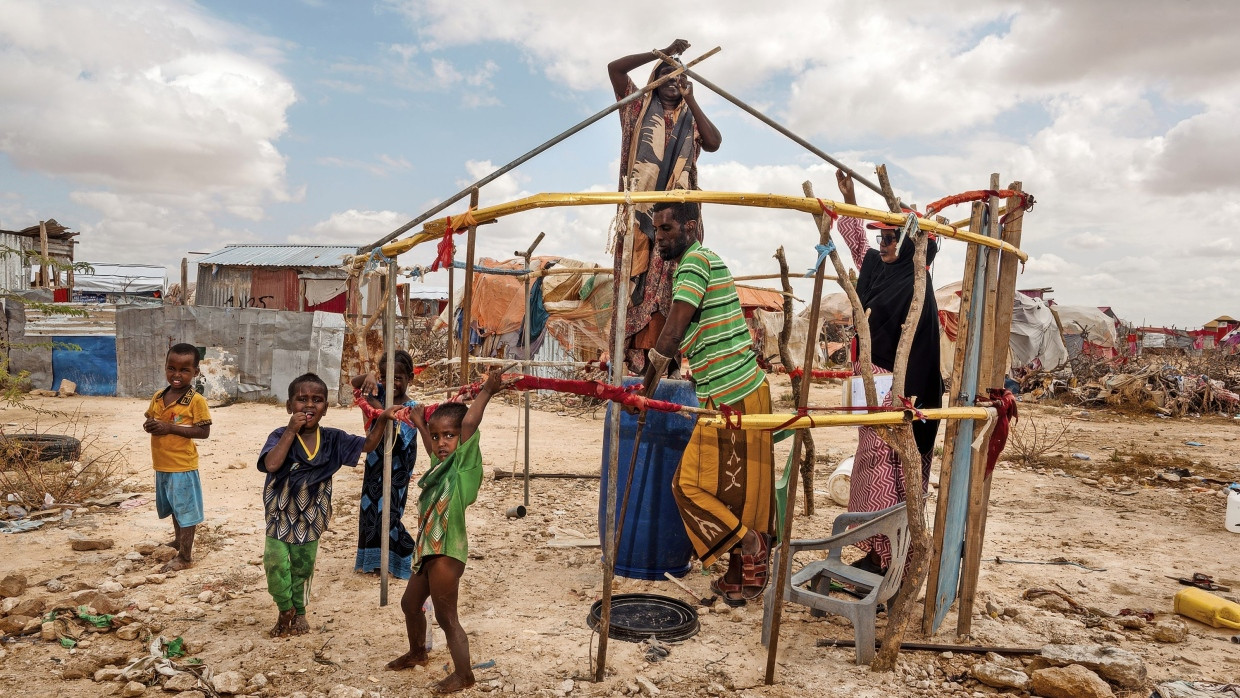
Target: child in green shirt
x,y
451,437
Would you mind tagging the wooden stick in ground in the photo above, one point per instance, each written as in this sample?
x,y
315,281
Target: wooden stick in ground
x,y
781,580
901,438
525,329
979,508
184,280
389,441
977,477
451,309
619,315
466,308
785,357
956,398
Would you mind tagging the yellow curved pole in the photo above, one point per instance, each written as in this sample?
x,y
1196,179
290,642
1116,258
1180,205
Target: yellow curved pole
x,y
867,419
433,230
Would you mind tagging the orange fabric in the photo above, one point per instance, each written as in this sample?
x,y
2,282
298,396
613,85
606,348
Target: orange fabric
x,y
646,337
763,298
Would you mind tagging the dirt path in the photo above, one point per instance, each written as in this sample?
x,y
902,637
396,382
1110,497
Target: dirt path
x,y
524,603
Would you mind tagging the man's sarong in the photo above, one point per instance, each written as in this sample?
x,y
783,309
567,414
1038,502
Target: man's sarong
x,y
724,483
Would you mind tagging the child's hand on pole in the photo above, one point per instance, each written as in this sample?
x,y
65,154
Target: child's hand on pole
x,y
390,413
495,380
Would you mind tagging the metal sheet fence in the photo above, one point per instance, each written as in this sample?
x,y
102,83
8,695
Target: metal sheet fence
x,y
257,351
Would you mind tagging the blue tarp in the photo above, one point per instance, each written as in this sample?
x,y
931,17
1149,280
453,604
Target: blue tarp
x,y
93,368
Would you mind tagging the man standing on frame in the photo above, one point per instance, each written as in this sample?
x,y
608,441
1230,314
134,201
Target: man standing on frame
x,y
662,135
723,486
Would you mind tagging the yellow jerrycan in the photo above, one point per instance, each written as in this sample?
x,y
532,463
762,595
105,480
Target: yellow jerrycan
x,y
1201,605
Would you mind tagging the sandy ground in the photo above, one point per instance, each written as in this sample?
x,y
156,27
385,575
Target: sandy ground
x,y
524,604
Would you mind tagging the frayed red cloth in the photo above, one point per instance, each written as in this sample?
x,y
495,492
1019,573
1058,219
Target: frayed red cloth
x,y
1004,403
820,373
625,396
446,249
1026,200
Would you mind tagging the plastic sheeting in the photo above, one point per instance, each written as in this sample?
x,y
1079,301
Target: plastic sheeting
x,y
91,365
771,323
1093,325
121,278
263,349
1035,341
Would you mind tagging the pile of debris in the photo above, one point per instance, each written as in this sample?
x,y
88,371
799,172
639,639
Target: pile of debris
x,y
1162,389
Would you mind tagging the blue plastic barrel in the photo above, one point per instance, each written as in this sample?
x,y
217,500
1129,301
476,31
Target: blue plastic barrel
x,y
654,539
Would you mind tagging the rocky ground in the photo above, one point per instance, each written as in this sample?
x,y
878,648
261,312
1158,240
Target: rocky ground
x,y
524,600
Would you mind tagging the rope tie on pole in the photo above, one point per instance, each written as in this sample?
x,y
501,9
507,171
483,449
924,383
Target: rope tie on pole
x,y
823,251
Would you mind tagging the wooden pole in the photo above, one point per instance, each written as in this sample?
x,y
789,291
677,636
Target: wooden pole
x,y
979,499
789,361
977,486
900,608
619,315
389,394
672,75
811,345
958,395
529,356
184,280
763,277
466,305
43,283
451,308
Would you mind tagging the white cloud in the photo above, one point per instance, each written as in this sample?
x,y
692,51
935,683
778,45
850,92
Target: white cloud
x,y
1088,241
351,227
382,166
161,116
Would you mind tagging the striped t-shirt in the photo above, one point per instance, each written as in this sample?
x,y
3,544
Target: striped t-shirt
x,y
717,341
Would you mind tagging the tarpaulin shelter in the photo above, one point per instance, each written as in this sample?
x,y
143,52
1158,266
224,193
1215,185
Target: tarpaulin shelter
x,y
109,281
574,308
1087,330
1034,341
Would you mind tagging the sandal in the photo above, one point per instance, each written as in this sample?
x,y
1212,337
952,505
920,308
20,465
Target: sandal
x,y
754,568
723,588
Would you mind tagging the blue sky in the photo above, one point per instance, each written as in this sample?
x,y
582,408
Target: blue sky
x,y
166,127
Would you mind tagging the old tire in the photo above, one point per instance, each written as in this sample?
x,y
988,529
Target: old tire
x,y
41,447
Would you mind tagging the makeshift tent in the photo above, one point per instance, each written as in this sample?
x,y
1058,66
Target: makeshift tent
x,y
574,308
1034,342
1087,330
426,301
122,279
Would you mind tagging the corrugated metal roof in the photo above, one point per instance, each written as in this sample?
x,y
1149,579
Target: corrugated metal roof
x,y
280,255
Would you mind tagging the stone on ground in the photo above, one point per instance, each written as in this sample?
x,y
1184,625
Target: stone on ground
x,y
1111,663
1073,681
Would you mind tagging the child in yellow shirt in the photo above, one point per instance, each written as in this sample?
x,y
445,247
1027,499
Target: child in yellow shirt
x,y
176,416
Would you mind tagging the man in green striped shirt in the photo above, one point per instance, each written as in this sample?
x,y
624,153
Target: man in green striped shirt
x,y
723,485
